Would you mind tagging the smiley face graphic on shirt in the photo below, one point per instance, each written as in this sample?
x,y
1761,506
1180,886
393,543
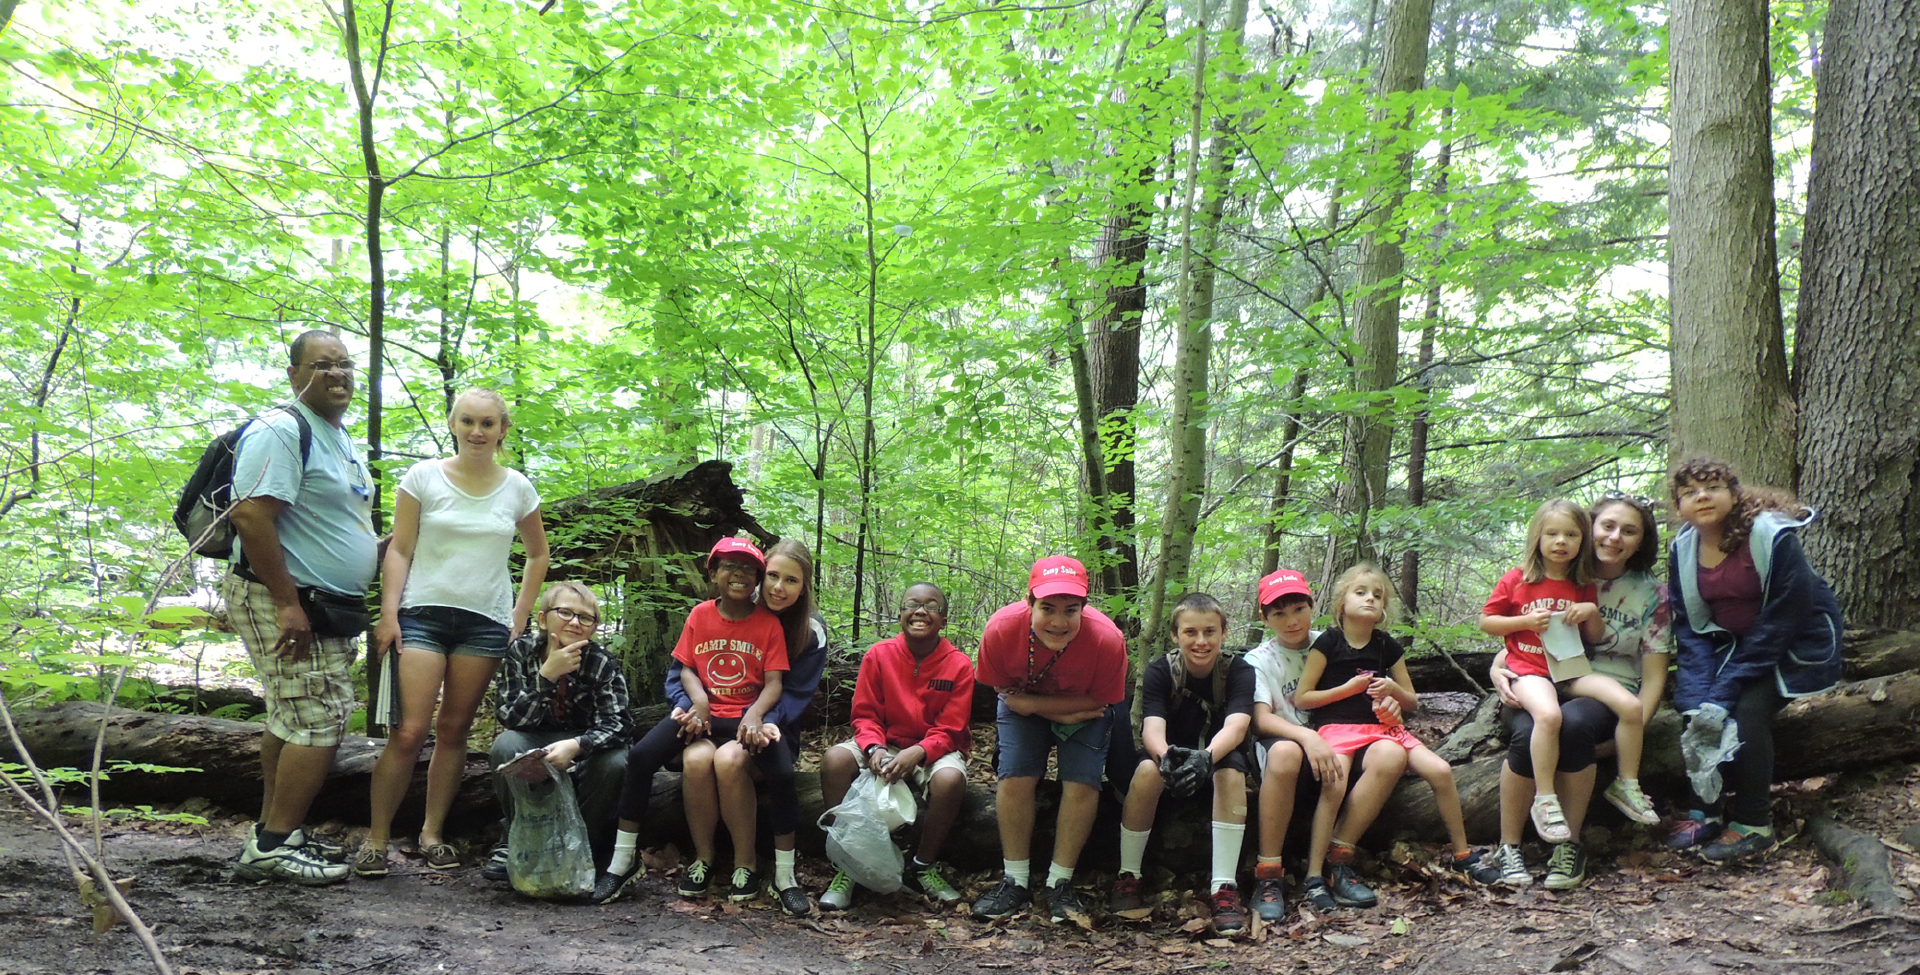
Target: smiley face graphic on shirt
x,y
726,669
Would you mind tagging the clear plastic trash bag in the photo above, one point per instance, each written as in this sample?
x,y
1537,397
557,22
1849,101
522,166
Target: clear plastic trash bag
x,y
548,856
858,840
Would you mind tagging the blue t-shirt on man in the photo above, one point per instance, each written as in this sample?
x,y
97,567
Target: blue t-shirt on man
x,y
326,529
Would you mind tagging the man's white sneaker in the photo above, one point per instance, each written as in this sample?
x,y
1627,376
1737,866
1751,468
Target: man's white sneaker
x,y
287,862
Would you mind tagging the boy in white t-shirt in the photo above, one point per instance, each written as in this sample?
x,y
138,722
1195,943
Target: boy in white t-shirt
x,y
1286,743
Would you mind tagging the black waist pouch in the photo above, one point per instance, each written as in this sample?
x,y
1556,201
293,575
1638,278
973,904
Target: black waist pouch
x,y
331,615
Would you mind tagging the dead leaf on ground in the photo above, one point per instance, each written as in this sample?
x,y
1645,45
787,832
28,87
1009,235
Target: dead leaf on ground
x,y
1343,940
104,916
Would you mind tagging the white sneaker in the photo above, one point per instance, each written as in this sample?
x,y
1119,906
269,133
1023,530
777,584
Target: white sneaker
x,y
290,863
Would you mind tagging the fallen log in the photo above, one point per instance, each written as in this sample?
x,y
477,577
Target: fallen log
x,y
226,757
1854,726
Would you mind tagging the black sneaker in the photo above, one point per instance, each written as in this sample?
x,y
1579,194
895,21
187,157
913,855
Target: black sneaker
x,y
793,901
607,885
746,885
1064,904
496,868
697,880
1567,867
1270,898
1347,889
1318,896
1002,899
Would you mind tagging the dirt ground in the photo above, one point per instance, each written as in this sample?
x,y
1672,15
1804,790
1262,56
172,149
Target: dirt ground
x,y
1642,910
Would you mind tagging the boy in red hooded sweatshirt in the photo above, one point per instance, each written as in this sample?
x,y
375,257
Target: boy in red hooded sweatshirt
x,y
911,707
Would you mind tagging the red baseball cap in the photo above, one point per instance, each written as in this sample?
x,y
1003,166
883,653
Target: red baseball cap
x,y
1057,575
1283,582
738,547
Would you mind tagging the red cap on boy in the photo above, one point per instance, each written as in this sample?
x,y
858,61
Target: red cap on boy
x,y
1057,575
1282,583
739,548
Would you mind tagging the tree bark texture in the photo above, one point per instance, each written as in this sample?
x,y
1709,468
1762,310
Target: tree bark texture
x,y
1113,360
1376,324
650,537
1730,393
1857,347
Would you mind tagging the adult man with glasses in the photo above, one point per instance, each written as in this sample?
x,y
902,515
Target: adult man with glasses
x,y
304,556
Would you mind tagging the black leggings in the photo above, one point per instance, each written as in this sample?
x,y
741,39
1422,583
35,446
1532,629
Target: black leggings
x,y
1584,724
659,745
1747,778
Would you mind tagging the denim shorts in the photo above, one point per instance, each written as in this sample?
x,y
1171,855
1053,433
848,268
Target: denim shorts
x,y
1025,740
455,632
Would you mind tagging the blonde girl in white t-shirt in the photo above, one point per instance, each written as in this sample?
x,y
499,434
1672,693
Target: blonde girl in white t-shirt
x,y
447,605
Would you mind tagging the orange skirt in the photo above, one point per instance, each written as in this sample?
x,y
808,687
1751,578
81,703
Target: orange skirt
x,y
1345,739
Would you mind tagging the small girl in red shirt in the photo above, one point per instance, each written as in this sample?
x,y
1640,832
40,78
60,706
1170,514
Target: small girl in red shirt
x,y
1558,577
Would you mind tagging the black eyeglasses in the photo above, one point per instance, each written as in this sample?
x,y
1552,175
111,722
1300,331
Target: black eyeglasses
x,y
931,605
330,365
575,616
1638,500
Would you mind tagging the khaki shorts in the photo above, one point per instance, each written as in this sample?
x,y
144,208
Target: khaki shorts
x,y
919,777
308,701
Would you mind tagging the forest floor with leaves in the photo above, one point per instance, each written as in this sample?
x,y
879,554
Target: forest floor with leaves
x,y
1642,910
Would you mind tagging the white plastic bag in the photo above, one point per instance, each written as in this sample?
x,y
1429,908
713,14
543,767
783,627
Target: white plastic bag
x,y
859,841
547,852
896,805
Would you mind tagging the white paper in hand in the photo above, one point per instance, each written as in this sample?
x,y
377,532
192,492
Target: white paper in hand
x,y
1566,654
528,766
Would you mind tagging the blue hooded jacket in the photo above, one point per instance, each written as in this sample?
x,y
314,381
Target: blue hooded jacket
x,y
1795,639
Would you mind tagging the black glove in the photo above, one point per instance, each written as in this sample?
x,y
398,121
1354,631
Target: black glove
x,y
1184,769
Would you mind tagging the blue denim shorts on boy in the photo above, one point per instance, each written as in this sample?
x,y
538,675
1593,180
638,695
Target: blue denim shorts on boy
x,y
455,632
1025,740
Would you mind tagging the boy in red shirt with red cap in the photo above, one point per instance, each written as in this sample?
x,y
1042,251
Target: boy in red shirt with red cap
x,y
1059,665
911,708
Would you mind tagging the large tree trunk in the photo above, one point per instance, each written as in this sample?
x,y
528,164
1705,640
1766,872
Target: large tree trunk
x,y
1730,396
1857,349
1376,325
1113,361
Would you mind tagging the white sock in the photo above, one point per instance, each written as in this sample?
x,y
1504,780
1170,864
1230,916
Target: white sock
x,y
1133,849
1545,795
1629,783
624,846
1227,838
1020,870
783,870
1057,873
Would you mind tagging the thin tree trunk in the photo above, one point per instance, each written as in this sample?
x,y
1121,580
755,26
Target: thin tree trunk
x,y
1186,482
1730,395
364,94
1857,344
1430,322
1376,326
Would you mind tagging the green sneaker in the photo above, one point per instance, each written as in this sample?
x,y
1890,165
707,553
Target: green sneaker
x,y
839,895
928,881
